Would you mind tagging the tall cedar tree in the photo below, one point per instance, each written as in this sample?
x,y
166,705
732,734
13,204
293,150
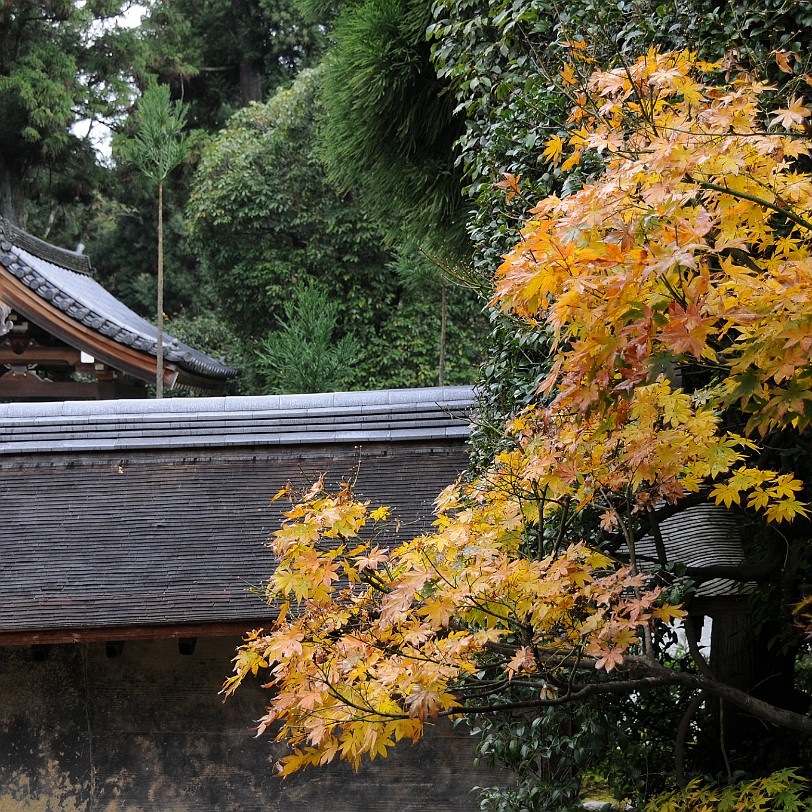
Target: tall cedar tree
x,y
60,62
158,146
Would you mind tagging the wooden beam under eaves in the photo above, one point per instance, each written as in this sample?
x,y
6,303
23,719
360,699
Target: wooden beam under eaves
x,y
123,633
36,356
17,387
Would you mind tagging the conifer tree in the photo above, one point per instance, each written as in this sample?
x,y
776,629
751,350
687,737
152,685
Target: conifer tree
x,y
157,147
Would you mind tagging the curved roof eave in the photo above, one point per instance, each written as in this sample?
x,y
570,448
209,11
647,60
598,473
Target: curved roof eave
x,y
69,289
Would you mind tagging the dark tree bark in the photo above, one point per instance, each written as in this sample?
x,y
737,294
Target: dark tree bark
x,y
250,81
742,656
7,208
248,49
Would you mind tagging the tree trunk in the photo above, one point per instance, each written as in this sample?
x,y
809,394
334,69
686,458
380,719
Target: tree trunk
x,y
247,46
250,81
159,318
732,661
6,194
443,328
744,658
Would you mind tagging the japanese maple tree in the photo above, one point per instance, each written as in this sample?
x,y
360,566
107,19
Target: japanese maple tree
x,y
677,284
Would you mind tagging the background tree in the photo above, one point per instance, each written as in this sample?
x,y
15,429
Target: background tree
x,y
265,218
219,56
157,147
183,44
389,135
60,62
305,354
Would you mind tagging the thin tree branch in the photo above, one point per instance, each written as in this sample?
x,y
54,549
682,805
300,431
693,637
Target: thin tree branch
x,y
692,638
682,736
788,213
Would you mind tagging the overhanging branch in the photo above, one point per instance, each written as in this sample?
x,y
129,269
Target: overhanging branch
x,y
641,674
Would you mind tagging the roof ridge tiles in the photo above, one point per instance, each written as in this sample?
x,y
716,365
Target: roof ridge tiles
x,y
431,414
64,257
433,397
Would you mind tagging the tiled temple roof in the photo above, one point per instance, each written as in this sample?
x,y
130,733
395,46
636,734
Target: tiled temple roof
x,y
63,279
163,529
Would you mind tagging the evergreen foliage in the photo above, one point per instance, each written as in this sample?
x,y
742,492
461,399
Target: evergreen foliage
x,y
390,126
306,354
263,217
60,62
158,142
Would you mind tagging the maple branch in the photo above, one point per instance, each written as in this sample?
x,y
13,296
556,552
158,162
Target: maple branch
x,y
648,642
591,689
485,689
365,708
373,580
561,527
659,544
758,572
780,717
689,624
744,258
788,213
665,511
656,675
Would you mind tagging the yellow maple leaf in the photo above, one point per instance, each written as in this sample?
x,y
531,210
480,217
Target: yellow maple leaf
x,y
568,75
553,149
571,162
666,613
791,116
380,513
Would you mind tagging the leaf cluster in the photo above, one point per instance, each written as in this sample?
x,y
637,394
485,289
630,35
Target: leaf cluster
x,y
781,791
502,61
158,144
372,642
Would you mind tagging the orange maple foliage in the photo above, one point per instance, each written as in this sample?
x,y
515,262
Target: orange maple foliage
x,y
693,245
691,252
371,645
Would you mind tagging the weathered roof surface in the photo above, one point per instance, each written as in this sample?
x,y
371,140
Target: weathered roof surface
x,y
340,417
168,529
62,278
701,535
